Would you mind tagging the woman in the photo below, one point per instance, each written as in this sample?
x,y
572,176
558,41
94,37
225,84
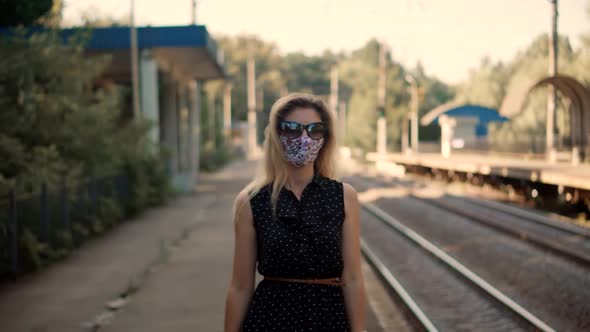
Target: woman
x,y
302,226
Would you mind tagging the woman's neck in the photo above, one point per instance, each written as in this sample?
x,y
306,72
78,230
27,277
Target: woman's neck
x,y
299,177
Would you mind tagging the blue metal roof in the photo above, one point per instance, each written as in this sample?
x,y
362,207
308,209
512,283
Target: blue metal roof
x,y
147,37
485,115
178,38
119,37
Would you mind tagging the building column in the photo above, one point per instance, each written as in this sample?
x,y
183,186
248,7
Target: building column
x,y
169,115
342,121
194,141
148,74
447,125
212,121
227,111
381,135
405,132
183,130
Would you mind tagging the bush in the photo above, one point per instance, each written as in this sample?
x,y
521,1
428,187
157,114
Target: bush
x,y
31,251
149,181
61,122
63,240
109,211
80,232
96,225
213,159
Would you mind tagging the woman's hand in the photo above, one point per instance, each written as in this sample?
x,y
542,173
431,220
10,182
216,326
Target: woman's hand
x,y
244,264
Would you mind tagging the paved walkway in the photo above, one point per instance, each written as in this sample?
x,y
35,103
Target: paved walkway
x,y
177,260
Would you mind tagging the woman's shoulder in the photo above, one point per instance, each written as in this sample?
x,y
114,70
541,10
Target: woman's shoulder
x,y
347,187
251,193
348,190
350,197
249,199
241,206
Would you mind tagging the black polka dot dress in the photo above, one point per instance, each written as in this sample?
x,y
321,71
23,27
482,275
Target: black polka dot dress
x,y
303,241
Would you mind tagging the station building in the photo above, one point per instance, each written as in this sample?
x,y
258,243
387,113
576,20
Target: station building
x,y
173,63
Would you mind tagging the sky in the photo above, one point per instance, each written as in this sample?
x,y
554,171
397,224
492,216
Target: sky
x,y
448,36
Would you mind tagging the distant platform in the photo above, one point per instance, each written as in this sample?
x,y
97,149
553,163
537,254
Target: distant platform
x,y
559,174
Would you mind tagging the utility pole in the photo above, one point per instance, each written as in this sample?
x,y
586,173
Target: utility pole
x,y
552,98
260,99
211,114
334,90
261,120
414,111
381,121
194,12
284,90
227,109
334,93
342,120
252,140
405,133
134,64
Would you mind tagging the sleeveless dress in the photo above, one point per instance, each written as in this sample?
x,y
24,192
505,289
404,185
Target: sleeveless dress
x,y
303,241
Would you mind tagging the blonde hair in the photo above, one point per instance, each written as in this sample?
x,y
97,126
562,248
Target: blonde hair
x,y
272,167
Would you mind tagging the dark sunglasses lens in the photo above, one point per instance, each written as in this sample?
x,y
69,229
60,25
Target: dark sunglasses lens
x,y
316,131
291,130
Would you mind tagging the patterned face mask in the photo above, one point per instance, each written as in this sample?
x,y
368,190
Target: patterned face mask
x,y
302,150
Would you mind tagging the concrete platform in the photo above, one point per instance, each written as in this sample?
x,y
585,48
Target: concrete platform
x,y
559,174
183,251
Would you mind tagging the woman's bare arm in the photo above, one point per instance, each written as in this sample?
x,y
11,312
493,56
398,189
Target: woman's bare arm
x,y
241,286
354,290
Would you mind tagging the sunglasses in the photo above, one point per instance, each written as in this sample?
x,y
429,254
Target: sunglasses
x,y
292,129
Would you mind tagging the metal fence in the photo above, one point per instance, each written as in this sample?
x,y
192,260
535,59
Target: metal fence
x,y
57,219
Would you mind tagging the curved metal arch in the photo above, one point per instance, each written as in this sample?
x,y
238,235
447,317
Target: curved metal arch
x,y
575,91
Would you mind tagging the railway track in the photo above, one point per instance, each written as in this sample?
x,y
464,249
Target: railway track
x,y
539,279
570,241
530,216
441,293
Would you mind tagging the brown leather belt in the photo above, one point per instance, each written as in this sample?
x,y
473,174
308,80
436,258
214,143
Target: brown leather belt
x,y
327,281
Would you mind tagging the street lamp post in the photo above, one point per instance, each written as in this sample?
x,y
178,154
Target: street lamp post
x,y
414,111
405,133
252,149
194,12
381,120
552,97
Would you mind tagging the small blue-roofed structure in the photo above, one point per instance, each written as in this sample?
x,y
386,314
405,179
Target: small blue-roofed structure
x,y
462,125
484,115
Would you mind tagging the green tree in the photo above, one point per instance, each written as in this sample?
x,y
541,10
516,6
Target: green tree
x,y
58,121
299,72
61,122
268,61
526,130
18,12
486,85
